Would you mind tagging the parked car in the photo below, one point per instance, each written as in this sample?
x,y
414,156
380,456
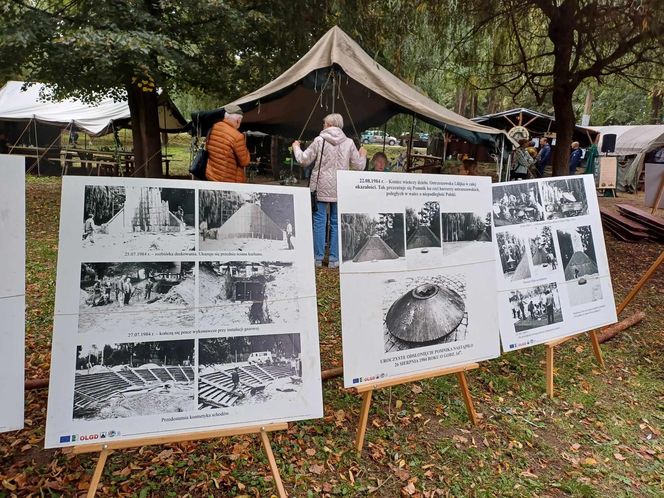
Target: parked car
x,y
419,139
260,358
377,137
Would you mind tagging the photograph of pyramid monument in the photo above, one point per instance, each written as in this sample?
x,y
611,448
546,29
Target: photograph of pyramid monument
x,y
133,379
146,219
513,257
423,238
136,296
577,251
249,370
370,238
235,293
238,221
564,198
535,307
467,235
424,310
542,252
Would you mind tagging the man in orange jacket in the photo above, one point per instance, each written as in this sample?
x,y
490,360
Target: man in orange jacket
x,y
227,149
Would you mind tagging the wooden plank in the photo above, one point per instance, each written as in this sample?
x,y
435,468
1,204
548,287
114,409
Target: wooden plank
x,y
642,215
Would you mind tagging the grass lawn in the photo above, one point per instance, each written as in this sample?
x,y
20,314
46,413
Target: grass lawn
x,y
600,437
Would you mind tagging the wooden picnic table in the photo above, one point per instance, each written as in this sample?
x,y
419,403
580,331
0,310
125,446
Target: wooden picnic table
x,y
426,163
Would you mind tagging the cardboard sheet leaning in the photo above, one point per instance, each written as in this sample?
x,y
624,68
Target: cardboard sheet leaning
x,y
12,291
417,273
181,306
551,263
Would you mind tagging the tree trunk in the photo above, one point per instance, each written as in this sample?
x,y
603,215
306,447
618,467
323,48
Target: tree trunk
x,y
145,131
656,106
564,112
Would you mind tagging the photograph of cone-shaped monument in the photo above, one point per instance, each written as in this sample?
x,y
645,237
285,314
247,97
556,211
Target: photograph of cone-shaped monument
x,y
372,241
246,222
542,252
535,307
133,379
513,257
423,238
424,310
136,296
516,203
467,236
249,370
246,292
564,198
577,251
139,219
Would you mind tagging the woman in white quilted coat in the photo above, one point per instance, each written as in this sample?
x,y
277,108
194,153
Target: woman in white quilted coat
x,y
338,153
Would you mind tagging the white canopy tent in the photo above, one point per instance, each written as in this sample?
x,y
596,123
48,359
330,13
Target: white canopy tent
x,y
27,104
632,140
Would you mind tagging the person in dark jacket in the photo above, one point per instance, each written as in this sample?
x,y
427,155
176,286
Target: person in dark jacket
x,y
543,155
574,158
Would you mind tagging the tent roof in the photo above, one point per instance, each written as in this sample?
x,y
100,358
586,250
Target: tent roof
x,y
535,122
18,104
362,86
634,139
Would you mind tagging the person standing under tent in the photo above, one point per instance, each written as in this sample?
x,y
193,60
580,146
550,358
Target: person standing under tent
x,y
543,155
379,162
522,161
228,155
332,151
574,158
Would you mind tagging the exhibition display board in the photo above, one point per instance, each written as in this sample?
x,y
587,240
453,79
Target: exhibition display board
x,y
552,269
181,307
12,291
416,266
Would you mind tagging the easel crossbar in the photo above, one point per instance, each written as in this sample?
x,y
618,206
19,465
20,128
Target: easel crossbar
x,y
179,438
428,374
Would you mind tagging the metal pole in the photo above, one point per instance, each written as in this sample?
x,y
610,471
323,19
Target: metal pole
x,y
334,89
409,151
384,136
502,152
37,148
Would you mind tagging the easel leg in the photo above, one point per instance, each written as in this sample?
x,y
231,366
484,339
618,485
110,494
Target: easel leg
x,y
596,349
364,417
273,465
549,371
99,469
467,399
646,276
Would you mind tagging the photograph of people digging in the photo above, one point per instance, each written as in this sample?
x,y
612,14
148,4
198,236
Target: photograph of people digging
x,y
588,69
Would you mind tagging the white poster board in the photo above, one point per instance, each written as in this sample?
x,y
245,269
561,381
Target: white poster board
x,y
551,264
608,172
12,291
653,182
181,306
416,256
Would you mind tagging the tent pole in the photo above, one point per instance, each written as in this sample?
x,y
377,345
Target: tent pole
x,y
334,89
384,135
37,147
502,152
409,151
444,146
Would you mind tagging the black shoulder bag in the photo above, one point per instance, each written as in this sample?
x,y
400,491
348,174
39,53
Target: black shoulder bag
x,y
314,194
199,164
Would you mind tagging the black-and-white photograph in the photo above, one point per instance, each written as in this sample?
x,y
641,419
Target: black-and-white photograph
x,y
564,198
246,292
423,238
513,257
146,219
469,233
124,296
516,203
542,252
236,221
103,217
249,370
368,238
424,310
133,379
535,307
577,251
585,290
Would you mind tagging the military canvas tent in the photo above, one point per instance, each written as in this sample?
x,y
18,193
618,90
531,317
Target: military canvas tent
x,y
337,75
375,248
250,221
637,141
27,104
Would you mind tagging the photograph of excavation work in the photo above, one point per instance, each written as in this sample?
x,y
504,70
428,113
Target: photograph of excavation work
x,y
133,379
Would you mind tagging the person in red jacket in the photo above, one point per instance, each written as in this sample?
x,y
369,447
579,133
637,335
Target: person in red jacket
x,y
227,149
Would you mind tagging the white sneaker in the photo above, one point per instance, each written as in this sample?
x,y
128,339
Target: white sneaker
x,y
319,264
333,264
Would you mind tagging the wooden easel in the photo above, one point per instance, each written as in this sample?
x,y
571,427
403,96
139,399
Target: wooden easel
x,y
368,389
549,356
642,281
658,199
105,449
